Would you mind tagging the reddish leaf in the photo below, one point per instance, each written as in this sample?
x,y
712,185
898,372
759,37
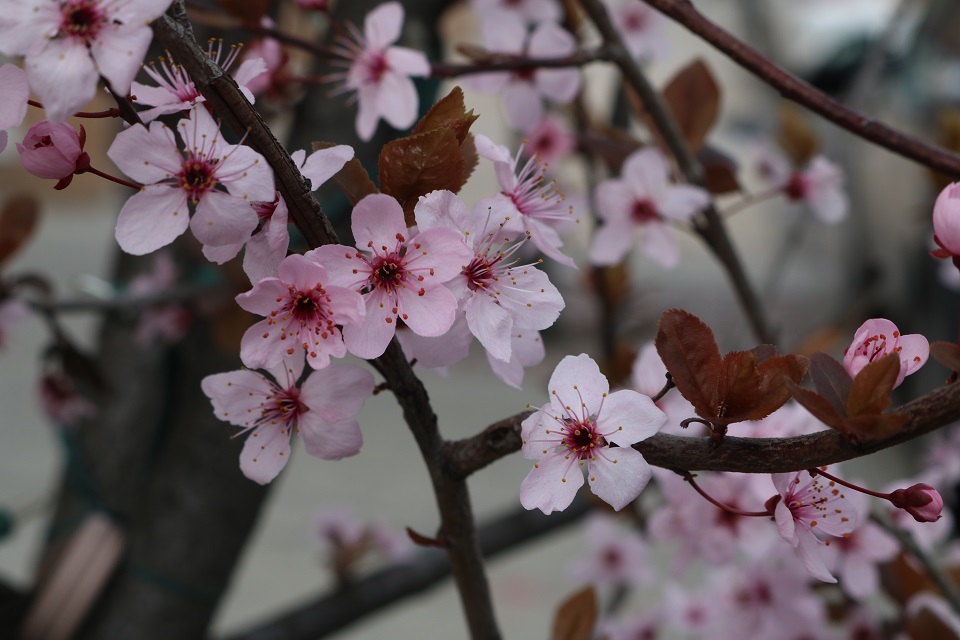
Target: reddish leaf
x,y
870,389
764,352
17,222
946,353
693,97
449,112
353,179
576,616
773,392
873,427
418,164
818,406
249,11
831,380
425,541
689,351
738,386
720,170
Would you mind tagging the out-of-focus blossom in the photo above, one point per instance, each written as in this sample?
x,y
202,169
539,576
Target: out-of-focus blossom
x,y
641,28
527,11
15,91
61,402
526,350
167,322
612,555
54,151
639,206
644,626
879,337
380,74
820,184
550,141
347,540
69,44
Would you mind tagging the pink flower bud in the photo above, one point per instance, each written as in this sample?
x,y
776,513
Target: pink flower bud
x,y
921,501
52,150
946,221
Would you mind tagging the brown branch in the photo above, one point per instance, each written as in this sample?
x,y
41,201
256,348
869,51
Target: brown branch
x,y
796,90
173,31
744,455
710,227
518,63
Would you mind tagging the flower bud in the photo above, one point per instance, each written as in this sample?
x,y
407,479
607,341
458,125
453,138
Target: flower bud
x,y
52,151
921,501
946,221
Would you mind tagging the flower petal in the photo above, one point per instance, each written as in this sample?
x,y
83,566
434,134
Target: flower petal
x,y
265,453
551,485
152,218
618,475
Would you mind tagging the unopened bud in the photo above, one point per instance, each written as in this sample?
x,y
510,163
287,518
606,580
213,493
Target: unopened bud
x,y
921,501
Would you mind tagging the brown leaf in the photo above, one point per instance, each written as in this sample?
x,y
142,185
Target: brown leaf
x,y
17,222
873,427
738,385
870,389
818,406
795,135
693,97
774,374
831,380
418,164
448,112
576,616
720,170
250,11
353,179
946,353
425,541
689,351
758,389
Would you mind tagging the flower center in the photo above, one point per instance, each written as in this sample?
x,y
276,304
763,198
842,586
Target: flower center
x,y
582,437
634,20
479,274
875,346
388,272
611,558
283,407
264,210
376,66
644,211
45,141
82,19
197,176
796,187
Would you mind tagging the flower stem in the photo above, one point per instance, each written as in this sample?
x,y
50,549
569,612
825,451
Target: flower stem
x,y
750,514
112,112
849,485
107,176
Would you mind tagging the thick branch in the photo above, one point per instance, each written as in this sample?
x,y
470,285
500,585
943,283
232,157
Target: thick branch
x,y
796,90
744,455
710,227
386,587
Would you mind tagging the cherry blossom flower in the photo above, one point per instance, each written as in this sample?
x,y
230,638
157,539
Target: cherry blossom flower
x,y
524,91
15,91
549,141
921,501
691,613
157,215
61,402
347,539
303,310
528,11
53,151
946,223
642,202
879,337
400,278
270,410
69,44
268,245
806,503
12,313
524,200
497,295
820,184
575,429
526,350
380,74
644,626
641,28
168,322
177,92
612,555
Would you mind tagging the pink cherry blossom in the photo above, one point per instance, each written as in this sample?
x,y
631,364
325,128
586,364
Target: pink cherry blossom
x,y
303,310
643,626
400,278
53,151
807,503
525,91
69,44
879,337
946,222
347,539
549,141
641,28
270,410
379,73
271,52
61,402
612,555
15,91
177,92
641,203
691,613
820,184
528,11
498,295
575,429
526,199
168,322
268,245
158,214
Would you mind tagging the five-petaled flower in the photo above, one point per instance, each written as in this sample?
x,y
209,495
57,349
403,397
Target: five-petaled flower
x,y
399,274
576,429
380,74
69,44
642,202
321,409
302,313
158,214
806,503
879,337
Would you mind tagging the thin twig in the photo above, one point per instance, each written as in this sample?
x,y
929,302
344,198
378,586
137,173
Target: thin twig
x,y
796,90
518,63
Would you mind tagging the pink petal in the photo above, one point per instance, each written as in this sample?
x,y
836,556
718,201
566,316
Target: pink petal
x,y
329,440
629,417
246,174
368,111
658,244
146,155
370,339
647,172
323,164
223,253
914,351
531,298
678,203
27,26
119,53
558,85
397,100
618,484
142,11
811,554
487,148
860,579
576,380
265,453
491,324
946,217
550,40
522,106
382,26
429,312
442,249
343,268
261,347
301,272
614,200
489,83
648,375
152,218
407,62
443,209
262,299
551,485
786,525
63,76
377,219
612,243
503,33
526,350
337,392
15,91
546,239
223,219
267,249
236,396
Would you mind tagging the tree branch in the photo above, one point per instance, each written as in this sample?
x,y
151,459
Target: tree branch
x,y
744,455
710,227
796,90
